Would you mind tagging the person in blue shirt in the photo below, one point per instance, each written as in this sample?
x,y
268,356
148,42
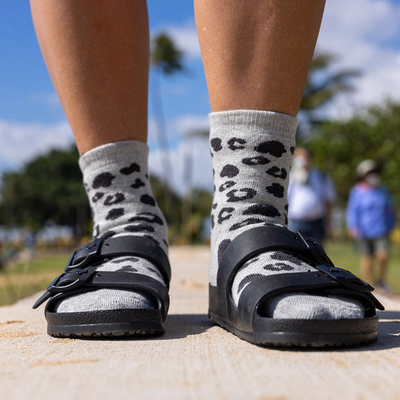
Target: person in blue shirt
x,y
371,216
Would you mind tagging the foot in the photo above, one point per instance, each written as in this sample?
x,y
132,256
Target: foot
x,y
384,288
118,187
252,153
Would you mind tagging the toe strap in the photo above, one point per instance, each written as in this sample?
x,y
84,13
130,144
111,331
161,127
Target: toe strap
x,y
263,288
88,279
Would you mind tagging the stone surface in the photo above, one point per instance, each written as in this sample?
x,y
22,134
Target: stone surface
x,y
193,360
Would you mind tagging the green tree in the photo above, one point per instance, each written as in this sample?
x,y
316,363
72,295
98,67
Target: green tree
x,y
165,56
47,188
201,202
339,146
323,84
171,204
50,188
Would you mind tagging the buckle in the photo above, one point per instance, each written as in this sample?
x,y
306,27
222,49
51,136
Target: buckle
x,y
74,279
346,278
315,249
81,276
93,248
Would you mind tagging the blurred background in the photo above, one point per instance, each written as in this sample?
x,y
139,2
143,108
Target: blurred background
x,y
350,112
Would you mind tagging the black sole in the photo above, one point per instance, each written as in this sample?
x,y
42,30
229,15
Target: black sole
x,y
314,334
106,323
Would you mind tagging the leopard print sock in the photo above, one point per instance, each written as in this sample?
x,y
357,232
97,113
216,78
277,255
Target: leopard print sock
x,y
252,153
117,183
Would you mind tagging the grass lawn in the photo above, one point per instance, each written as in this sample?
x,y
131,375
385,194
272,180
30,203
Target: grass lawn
x,y
23,279
344,256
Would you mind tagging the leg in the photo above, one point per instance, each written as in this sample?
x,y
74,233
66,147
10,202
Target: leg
x,y
97,54
257,53
98,58
256,56
366,268
382,257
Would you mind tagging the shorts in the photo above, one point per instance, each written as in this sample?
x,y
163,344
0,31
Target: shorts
x,y
369,247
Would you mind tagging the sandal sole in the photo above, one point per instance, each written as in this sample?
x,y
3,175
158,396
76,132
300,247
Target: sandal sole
x,y
106,323
319,333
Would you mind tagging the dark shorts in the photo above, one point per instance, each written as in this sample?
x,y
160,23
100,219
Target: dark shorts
x,y
315,229
369,247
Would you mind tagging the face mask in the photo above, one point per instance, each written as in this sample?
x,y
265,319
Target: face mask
x,y
373,179
299,172
299,162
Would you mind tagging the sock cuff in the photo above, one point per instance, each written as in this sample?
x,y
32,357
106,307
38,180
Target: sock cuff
x,y
114,153
254,121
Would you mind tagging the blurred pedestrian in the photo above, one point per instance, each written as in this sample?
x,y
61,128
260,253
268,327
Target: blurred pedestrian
x,y
371,216
311,195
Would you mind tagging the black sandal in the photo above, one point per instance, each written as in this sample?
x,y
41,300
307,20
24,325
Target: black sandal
x,y
80,276
249,322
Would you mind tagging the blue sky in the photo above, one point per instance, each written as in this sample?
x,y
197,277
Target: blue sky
x,y
26,89
364,34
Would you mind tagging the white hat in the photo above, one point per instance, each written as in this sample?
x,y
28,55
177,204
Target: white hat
x,y
365,167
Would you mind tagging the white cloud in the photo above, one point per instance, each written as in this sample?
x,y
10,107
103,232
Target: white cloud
x,y
191,123
192,155
185,38
361,33
20,142
178,128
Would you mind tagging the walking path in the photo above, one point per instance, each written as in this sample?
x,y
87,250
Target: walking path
x,y
193,360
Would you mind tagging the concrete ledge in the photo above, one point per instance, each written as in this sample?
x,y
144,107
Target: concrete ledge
x,y
193,360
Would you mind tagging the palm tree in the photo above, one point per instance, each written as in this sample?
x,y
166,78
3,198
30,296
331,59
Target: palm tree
x,y
322,86
165,59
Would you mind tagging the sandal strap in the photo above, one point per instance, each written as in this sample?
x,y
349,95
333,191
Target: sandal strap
x,y
79,272
121,246
269,238
88,279
268,286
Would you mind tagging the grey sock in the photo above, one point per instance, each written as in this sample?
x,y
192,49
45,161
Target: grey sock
x,y
252,153
116,180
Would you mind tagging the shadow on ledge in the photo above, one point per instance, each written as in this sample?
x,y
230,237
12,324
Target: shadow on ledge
x,y
177,326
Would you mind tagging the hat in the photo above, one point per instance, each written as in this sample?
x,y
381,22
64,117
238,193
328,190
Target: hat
x,y
365,167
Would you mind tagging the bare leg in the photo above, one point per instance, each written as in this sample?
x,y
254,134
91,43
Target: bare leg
x,y
366,269
382,258
256,57
97,54
257,53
